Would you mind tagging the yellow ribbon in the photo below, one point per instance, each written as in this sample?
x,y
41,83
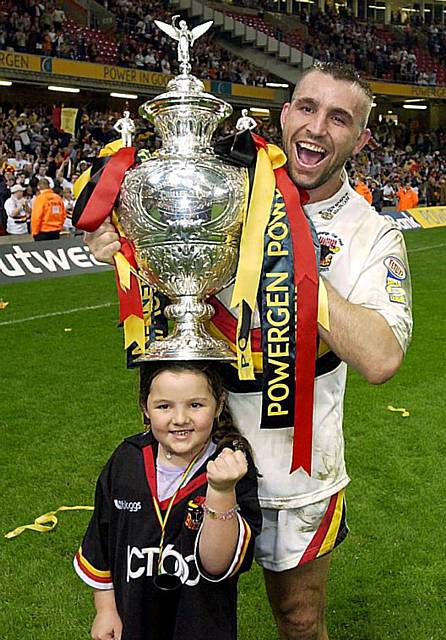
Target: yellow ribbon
x,y
123,269
45,522
134,332
323,317
253,232
251,247
404,412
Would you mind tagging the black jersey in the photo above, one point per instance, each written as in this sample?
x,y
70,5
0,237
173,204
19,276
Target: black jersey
x,y
120,550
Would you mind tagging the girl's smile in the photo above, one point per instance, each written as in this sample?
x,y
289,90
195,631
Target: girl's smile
x,y
181,408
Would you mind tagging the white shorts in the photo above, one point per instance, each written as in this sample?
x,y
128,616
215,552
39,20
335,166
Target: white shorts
x,y
291,537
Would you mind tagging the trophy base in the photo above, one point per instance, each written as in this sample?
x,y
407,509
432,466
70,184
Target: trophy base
x,y
189,339
182,347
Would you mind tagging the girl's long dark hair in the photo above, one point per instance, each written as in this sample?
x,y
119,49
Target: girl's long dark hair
x,y
224,432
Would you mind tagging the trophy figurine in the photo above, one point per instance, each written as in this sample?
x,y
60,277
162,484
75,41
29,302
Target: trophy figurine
x,y
126,127
183,209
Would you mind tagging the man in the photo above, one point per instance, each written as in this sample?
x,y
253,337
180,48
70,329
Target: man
x,y
388,194
41,173
362,259
18,211
407,196
377,196
363,190
48,213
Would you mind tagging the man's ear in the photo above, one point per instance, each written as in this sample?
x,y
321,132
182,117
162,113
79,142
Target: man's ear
x,y
284,113
362,141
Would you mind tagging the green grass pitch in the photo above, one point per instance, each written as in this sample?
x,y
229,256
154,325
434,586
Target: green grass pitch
x,y
67,401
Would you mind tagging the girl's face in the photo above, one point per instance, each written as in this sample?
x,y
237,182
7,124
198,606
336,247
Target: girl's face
x,y
181,408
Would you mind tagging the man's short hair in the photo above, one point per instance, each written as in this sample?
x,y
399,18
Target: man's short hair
x,y
43,184
345,72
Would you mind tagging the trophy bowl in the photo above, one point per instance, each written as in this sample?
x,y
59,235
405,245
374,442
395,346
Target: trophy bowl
x,y
183,210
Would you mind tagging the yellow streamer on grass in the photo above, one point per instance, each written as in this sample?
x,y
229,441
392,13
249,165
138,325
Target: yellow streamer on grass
x,y
45,522
404,412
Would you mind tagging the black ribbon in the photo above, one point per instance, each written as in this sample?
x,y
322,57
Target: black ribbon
x,y
277,312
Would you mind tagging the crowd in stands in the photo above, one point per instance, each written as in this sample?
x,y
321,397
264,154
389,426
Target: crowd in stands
x,y
436,42
401,158
384,52
32,26
40,27
339,36
32,148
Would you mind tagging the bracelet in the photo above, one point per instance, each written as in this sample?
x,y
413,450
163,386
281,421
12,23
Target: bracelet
x,y
220,515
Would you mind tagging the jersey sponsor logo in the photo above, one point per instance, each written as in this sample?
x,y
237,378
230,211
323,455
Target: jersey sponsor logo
x,y
330,245
395,267
124,505
144,563
396,273
330,212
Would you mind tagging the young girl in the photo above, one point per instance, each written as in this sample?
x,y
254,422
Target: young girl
x,y
176,515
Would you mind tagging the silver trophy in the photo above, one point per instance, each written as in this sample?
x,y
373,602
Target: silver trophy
x,y
183,209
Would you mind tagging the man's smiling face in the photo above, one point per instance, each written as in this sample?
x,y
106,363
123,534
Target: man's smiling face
x,y
322,127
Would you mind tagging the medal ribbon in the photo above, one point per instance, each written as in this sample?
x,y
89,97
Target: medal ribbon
x,y
163,521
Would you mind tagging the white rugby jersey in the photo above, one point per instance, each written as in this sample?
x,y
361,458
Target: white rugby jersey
x,y
365,259
15,226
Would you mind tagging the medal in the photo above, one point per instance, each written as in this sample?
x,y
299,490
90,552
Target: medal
x,y
167,582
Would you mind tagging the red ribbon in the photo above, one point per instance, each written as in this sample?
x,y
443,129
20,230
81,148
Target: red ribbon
x,y
130,302
306,282
102,200
306,286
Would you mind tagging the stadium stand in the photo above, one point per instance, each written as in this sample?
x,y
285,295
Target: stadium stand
x,y
31,145
38,28
381,52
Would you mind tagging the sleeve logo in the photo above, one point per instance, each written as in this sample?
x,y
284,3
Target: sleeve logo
x,y
396,274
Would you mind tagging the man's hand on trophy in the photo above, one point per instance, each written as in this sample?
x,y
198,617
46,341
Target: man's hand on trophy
x,y
104,242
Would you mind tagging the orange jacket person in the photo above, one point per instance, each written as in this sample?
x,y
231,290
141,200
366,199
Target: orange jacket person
x,y
407,198
48,213
363,191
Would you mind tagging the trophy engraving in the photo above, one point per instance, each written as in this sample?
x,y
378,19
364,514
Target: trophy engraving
x,y
183,209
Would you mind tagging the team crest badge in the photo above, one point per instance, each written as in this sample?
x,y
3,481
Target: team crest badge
x,y
330,245
194,513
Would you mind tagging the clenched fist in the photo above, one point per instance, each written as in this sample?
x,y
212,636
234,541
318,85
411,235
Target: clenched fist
x,y
226,470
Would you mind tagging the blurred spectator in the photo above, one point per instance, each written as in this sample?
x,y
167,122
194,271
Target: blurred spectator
x,y
18,211
377,196
362,189
432,192
407,197
388,194
48,213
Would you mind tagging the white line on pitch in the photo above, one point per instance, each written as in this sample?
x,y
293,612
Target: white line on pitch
x,y
58,313
434,246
